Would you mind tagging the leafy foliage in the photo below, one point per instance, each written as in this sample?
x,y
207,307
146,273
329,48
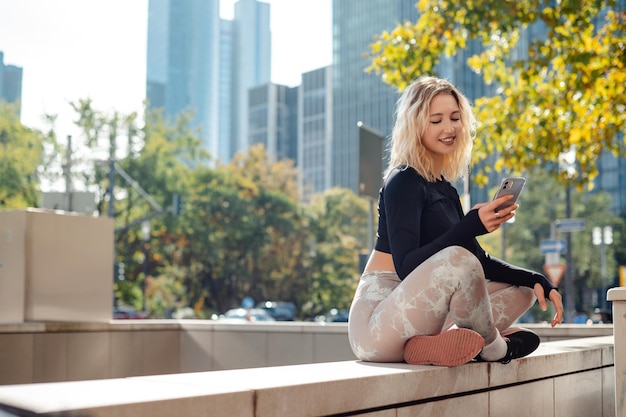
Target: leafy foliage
x,y
339,234
562,92
21,153
541,204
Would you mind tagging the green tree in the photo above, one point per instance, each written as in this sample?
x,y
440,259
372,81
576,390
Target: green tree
x,y
339,226
541,204
240,239
152,164
21,153
160,163
566,92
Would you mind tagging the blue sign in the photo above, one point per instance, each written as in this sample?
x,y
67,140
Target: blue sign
x,y
552,246
569,225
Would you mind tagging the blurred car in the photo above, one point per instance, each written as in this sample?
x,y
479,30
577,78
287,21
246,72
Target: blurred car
x,y
122,313
245,315
280,310
601,316
334,316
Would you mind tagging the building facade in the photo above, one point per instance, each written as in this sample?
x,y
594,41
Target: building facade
x,y
359,96
204,65
251,65
272,120
182,72
226,112
11,84
315,132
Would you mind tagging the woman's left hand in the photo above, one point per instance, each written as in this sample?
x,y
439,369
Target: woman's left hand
x,y
555,298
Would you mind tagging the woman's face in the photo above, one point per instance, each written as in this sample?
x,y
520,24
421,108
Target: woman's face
x,y
444,124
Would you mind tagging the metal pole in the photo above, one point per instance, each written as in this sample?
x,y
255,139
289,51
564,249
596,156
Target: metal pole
x,y
67,173
145,235
603,273
111,188
111,213
145,275
569,287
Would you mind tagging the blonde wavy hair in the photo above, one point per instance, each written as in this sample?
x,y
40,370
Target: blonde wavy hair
x,y
412,119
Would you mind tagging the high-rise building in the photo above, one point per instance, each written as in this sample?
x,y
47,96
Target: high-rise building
x,y
10,84
315,132
251,55
359,96
273,115
182,73
226,112
199,63
612,180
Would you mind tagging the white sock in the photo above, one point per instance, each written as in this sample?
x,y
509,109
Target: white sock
x,y
495,350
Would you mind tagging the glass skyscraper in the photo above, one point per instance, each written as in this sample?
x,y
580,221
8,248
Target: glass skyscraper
x,y
182,71
315,132
226,114
199,63
357,95
272,116
251,63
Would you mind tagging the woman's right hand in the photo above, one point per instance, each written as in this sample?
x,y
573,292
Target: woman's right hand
x,y
491,218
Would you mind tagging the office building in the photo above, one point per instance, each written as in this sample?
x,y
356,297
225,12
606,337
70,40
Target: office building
x,y
199,63
182,73
359,96
11,84
315,132
612,180
273,119
225,147
251,64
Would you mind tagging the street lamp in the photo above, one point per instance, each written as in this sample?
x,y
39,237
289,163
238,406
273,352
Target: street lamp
x,y
603,237
145,236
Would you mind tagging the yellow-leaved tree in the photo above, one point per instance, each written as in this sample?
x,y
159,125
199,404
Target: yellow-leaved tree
x,y
560,92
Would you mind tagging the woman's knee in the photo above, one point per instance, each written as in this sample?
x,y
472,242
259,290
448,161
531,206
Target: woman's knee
x,y
460,257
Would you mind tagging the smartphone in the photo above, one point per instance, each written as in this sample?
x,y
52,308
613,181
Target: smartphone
x,y
510,186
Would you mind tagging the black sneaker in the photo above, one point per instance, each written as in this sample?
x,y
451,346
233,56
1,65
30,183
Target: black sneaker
x,y
519,344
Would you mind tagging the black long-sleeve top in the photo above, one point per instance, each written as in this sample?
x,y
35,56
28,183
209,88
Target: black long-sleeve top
x,y
418,218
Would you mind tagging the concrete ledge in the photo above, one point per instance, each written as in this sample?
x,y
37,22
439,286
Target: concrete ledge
x,y
564,378
55,352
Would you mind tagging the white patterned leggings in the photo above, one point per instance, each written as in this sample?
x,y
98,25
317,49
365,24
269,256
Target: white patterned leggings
x,y
447,289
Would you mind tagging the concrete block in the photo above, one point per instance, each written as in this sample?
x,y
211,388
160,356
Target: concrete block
x,y
55,267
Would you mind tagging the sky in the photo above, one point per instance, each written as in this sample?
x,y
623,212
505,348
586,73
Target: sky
x,y
77,49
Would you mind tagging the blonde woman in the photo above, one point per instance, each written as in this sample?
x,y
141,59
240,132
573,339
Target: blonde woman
x,y
429,293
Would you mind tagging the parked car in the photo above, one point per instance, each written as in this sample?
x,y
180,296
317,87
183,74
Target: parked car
x,y
601,315
121,313
245,315
333,316
280,310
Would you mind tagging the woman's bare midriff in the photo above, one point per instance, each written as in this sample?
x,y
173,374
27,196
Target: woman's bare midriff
x,y
380,261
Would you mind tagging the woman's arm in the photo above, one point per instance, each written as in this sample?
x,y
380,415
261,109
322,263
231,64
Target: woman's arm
x,y
405,199
501,271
